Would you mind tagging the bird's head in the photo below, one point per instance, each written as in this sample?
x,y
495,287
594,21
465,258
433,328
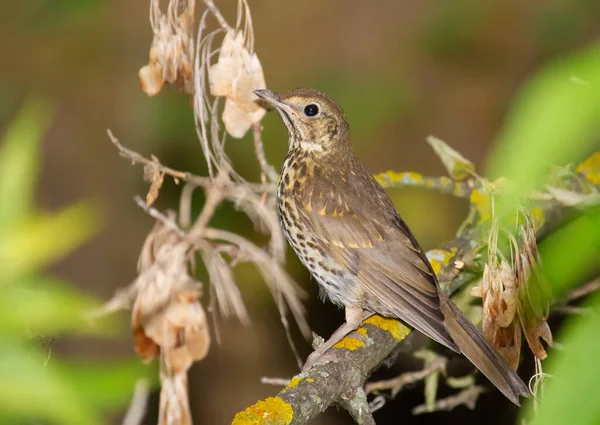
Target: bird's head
x,y
314,121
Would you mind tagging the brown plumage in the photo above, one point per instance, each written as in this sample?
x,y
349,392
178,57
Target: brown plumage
x,y
347,232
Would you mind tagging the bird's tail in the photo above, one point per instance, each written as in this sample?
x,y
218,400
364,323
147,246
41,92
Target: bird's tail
x,y
486,358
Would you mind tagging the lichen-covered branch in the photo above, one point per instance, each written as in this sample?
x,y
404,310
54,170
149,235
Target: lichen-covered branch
x,y
338,377
392,179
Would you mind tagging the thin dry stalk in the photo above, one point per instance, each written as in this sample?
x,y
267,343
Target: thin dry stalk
x,y
467,397
396,384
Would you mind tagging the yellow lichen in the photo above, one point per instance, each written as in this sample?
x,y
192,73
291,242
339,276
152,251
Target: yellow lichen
x,y
310,380
591,168
538,218
415,177
293,382
394,327
271,411
446,181
482,203
409,178
351,343
459,191
362,331
439,258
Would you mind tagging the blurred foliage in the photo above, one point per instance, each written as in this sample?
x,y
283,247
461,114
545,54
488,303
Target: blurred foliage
x,y
572,392
454,31
571,253
47,15
556,120
559,25
34,308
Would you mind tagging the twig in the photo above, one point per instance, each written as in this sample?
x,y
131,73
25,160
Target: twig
x,y
266,168
586,289
467,397
274,381
396,384
276,278
156,214
205,182
392,179
214,196
572,310
356,404
217,14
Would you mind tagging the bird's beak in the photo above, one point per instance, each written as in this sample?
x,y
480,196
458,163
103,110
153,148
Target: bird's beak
x,y
274,99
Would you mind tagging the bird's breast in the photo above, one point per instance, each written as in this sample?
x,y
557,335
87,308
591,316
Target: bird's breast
x,y
295,183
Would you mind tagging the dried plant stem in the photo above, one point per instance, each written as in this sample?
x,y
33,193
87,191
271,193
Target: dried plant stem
x,y
467,397
275,381
267,169
586,289
205,182
210,4
139,159
137,407
396,384
214,196
154,213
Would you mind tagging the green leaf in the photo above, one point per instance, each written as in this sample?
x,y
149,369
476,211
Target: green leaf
x,y
572,392
19,161
45,238
457,165
36,391
555,120
47,306
572,252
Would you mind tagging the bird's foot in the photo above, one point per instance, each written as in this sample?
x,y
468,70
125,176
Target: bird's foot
x,y
313,358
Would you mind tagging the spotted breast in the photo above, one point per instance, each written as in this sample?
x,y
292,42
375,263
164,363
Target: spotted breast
x,y
297,172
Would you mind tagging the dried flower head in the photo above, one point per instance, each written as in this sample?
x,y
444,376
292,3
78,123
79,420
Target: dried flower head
x,y
499,296
168,319
515,296
534,292
172,49
235,76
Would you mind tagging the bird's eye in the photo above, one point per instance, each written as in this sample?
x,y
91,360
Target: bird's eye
x,y
311,110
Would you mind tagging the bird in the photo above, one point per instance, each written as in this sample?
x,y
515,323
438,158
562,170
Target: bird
x,y
346,231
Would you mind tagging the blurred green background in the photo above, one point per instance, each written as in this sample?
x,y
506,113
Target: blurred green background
x,y
402,70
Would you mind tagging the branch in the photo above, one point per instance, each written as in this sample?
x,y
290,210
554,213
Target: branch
x,y
397,383
337,378
205,182
392,179
467,397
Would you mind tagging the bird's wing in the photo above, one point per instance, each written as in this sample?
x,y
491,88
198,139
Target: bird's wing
x,y
357,225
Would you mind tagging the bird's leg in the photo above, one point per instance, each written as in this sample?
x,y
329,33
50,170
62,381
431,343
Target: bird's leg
x,y
354,318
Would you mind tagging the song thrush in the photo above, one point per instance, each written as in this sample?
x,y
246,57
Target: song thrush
x,y
347,232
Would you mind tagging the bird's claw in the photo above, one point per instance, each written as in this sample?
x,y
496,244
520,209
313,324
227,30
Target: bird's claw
x,y
312,359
